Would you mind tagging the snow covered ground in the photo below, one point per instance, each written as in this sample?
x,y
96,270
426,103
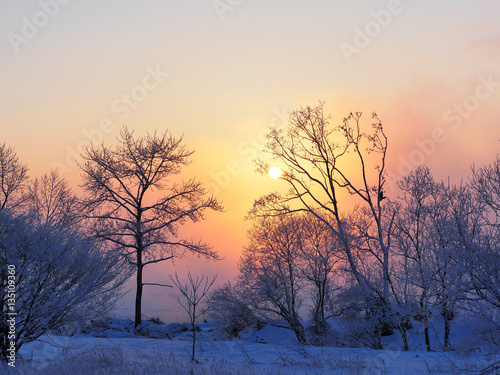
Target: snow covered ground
x,y
270,350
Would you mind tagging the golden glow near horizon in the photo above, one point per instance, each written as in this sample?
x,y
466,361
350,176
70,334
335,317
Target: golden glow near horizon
x,y
275,172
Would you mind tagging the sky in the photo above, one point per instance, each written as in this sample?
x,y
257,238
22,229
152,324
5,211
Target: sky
x,y
221,72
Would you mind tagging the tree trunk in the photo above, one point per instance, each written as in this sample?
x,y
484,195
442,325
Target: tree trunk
x,y
447,329
426,333
193,318
423,311
138,295
404,336
448,315
377,344
140,266
322,297
299,331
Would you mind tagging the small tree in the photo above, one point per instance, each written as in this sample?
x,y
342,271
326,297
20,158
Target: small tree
x,y
413,237
122,183
227,308
320,259
270,274
193,292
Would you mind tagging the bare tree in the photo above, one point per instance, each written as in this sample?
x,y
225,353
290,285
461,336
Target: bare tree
x,y
121,185
454,228
418,266
485,265
320,164
270,272
13,178
50,200
439,233
486,184
193,293
320,261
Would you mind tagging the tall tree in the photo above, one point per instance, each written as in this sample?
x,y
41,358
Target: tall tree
x,y
320,164
122,185
414,237
455,224
485,263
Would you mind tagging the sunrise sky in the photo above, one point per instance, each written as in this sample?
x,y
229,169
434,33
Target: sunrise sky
x,y
221,72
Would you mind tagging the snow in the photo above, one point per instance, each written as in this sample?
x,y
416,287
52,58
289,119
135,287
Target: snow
x,y
270,350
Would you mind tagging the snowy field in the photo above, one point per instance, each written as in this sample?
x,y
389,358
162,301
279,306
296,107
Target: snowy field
x,y
270,350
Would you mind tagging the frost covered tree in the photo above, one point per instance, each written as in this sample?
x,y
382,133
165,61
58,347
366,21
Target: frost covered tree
x,y
13,178
290,261
228,309
455,232
320,259
61,277
417,267
440,235
485,263
50,201
270,274
138,202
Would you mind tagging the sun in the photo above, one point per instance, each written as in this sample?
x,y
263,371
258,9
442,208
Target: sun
x,y
275,172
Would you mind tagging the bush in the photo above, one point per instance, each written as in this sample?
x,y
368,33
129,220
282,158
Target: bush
x,y
227,309
61,277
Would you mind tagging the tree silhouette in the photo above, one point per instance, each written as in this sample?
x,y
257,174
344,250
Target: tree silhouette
x,y
320,163
122,184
